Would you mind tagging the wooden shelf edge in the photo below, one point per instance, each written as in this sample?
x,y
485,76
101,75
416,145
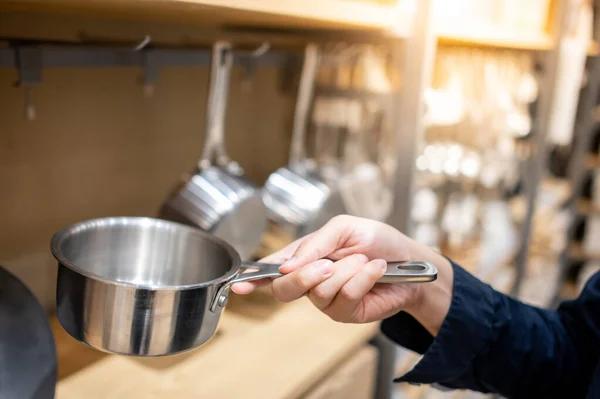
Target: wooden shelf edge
x,y
338,15
592,160
500,38
576,251
495,39
587,208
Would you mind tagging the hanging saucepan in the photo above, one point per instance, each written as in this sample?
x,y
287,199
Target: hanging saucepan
x,y
151,287
218,199
296,198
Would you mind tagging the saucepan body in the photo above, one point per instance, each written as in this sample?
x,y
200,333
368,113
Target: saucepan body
x,y
140,286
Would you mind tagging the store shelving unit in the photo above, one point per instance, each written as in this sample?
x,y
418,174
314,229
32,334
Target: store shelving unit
x,y
584,160
390,18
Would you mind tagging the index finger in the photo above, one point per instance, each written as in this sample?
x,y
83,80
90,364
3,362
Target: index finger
x,y
280,256
323,242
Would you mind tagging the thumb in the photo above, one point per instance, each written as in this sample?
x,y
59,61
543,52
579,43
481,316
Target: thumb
x,y
321,243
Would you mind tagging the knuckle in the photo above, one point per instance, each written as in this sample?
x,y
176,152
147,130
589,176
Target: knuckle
x,y
347,294
356,261
358,258
341,219
335,316
304,279
308,248
320,293
279,291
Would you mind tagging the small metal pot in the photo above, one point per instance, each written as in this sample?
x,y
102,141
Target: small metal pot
x,y
218,198
299,200
149,287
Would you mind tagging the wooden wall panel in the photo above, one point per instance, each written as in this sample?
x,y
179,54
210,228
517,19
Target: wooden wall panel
x,y
99,147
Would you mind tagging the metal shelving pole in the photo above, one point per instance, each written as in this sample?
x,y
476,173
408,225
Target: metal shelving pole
x,y
417,65
415,57
577,167
535,164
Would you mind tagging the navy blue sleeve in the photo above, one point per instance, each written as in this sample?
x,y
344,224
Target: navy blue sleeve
x,y
492,343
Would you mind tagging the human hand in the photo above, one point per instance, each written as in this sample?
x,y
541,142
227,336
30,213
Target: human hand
x,y
338,268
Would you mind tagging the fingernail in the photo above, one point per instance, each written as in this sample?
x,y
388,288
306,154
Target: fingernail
x,y
363,258
288,263
380,264
325,266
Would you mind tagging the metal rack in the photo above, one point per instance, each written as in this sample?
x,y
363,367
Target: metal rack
x,y
534,167
578,167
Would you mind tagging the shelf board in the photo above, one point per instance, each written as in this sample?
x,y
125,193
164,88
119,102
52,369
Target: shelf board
x,y
593,161
484,36
389,19
492,37
284,361
576,251
587,208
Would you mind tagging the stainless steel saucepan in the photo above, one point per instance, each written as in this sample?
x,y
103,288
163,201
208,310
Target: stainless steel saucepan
x,y
150,287
218,198
298,199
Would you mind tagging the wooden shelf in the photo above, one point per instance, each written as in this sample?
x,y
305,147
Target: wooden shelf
x,y
389,18
273,357
587,208
576,251
592,161
486,37
482,36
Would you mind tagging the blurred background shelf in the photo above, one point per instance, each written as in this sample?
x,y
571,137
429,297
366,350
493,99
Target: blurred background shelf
x,y
493,37
389,17
501,38
576,251
592,161
587,207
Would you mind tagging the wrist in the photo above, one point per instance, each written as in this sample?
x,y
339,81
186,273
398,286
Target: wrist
x,y
432,300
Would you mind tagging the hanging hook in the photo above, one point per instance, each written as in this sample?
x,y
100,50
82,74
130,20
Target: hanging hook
x,y
145,41
151,68
261,50
249,63
29,63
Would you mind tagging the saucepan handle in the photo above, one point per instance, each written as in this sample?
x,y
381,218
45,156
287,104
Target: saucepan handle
x,y
397,272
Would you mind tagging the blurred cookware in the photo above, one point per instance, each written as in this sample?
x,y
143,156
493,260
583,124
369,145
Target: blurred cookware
x,y
28,363
296,197
150,287
217,198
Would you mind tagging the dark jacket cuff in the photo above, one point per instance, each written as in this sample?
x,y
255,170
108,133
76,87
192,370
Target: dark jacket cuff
x,y
464,333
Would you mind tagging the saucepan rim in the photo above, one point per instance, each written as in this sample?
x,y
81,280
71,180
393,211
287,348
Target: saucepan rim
x,y
60,236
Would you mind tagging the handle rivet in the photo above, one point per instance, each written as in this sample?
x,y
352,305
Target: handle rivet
x,y
222,300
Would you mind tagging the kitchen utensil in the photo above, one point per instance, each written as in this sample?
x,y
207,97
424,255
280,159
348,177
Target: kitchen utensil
x,y
297,198
150,287
28,364
218,199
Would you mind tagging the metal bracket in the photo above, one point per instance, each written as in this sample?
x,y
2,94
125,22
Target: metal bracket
x,y
249,61
29,63
289,75
152,65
